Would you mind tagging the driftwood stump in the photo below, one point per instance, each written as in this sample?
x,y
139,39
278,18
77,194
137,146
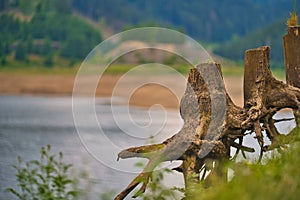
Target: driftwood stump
x,y
291,43
203,138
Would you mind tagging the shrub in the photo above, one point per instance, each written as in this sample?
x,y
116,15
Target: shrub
x,y
44,179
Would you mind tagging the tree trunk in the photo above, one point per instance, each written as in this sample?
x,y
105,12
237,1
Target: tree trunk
x,y
291,43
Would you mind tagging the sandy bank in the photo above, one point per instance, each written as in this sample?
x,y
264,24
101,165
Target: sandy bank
x,y
147,95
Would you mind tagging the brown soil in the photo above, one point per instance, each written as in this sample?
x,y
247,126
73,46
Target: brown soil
x,y
46,84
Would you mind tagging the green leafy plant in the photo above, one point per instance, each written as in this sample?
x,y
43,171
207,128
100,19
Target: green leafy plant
x,y
44,179
156,190
108,195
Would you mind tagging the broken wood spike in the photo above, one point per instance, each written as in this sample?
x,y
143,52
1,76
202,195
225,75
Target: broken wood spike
x,y
291,43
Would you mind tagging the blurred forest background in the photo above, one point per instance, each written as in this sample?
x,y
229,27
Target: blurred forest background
x,y
63,32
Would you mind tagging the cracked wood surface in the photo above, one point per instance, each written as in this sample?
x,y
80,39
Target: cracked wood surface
x,y
202,139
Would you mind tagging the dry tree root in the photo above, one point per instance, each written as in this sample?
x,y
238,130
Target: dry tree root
x,y
202,139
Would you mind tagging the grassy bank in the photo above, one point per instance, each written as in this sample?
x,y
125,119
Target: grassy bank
x,y
35,64
279,178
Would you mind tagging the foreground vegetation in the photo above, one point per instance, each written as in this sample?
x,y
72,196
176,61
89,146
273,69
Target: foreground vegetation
x,y
46,178
277,178
50,178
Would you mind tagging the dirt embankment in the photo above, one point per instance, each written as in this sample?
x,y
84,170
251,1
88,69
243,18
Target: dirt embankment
x,y
46,84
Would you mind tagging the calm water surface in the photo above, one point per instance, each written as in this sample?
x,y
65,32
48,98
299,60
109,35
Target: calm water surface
x,y
27,123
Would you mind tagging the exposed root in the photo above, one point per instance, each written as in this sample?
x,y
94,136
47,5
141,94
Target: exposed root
x,y
202,140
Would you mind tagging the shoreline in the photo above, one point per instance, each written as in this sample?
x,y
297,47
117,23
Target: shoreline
x,y
145,96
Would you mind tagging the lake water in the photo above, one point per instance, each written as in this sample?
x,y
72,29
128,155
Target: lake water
x,y
27,123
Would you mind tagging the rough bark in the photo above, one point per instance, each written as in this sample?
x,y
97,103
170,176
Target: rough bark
x,y
203,138
291,43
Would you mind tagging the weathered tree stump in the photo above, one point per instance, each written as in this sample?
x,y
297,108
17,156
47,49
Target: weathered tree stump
x,y
203,138
291,43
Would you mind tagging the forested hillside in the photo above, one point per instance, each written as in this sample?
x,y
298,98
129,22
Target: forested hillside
x,y
207,20
270,35
46,28
233,25
54,27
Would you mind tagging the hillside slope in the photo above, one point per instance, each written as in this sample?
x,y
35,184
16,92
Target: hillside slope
x,y
47,29
51,28
206,20
270,35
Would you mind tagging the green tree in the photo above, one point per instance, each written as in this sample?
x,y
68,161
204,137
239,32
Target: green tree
x,y
48,61
3,4
20,53
27,6
3,60
47,49
63,6
29,44
75,47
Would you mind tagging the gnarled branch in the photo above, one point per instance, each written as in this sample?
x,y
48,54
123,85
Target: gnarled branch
x,y
202,138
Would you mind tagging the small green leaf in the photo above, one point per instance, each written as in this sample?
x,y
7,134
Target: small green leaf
x,y
139,164
34,162
19,159
48,147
